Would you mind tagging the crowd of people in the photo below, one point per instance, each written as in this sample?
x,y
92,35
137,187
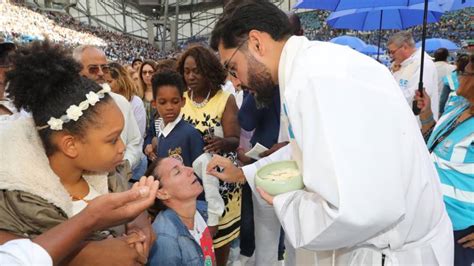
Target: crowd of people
x,y
23,25
111,159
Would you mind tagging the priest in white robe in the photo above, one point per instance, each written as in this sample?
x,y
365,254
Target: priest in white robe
x,y
372,194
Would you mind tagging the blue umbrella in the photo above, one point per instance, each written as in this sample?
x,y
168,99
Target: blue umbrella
x,y
434,44
366,19
353,42
337,5
383,18
370,49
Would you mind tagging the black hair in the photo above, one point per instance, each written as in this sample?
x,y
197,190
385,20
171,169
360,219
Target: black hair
x,y
167,78
136,60
461,62
6,50
242,16
295,23
45,81
441,54
208,65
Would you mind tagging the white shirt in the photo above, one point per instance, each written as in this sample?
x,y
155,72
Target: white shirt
x,y
408,77
238,94
130,135
23,252
79,205
165,130
199,227
140,114
443,69
371,187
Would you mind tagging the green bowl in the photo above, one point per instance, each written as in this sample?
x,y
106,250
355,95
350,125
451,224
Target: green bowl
x,y
275,187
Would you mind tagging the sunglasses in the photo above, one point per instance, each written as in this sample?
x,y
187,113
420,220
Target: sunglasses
x,y
149,73
95,69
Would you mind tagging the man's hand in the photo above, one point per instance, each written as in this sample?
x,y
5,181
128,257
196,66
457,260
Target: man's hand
x,y
118,208
230,173
118,251
273,149
137,241
467,241
267,197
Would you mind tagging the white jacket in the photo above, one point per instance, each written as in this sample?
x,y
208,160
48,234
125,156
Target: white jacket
x,y
130,135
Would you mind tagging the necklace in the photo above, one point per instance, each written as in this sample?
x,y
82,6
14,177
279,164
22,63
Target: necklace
x,y
74,198
201,104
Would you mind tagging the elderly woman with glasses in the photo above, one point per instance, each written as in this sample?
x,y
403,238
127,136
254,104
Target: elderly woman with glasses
x,y
213,112
451,143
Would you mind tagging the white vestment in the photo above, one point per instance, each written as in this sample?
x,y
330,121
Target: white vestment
x,y
371,188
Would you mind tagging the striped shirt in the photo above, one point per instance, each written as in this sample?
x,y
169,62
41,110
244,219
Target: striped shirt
x,y
454,160
453,99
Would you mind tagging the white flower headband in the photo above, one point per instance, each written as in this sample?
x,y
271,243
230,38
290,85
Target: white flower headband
x,y
75,111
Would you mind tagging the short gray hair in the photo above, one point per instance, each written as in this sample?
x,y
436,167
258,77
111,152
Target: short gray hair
x,y
402,37
78,51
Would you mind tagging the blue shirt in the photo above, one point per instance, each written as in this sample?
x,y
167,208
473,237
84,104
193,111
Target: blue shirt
x,y
174,244
452,82
454,161
265,121
184,143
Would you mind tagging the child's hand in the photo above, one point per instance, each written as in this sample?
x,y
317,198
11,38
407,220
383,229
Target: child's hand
x,y
154,143
150,152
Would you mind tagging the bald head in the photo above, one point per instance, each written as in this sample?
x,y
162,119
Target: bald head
x,y
94,62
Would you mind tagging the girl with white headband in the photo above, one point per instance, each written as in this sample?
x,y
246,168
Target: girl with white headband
x,y
54,162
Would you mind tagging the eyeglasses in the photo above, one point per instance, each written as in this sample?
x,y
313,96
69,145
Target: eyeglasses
x,y
94,69
149,72
392,52
226,64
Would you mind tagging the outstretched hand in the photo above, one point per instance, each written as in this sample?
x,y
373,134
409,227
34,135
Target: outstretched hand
x,y
118,208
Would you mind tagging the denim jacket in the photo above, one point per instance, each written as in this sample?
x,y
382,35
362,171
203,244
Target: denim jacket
x,y
174,244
